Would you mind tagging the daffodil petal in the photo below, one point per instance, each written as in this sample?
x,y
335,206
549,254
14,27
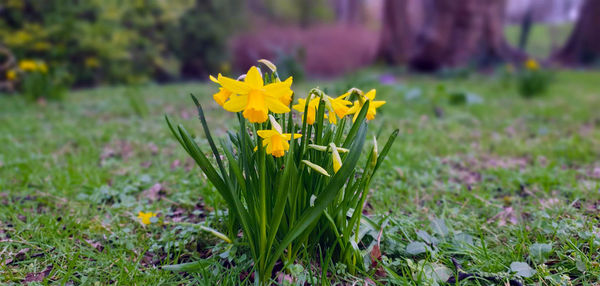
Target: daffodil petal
x,y
371,94
376,104
266,133
253,78
275,105
288,136
233,85
300,105
279,89
236,103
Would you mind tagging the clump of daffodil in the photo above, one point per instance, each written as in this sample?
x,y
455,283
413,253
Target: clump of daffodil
x,y
28,65
358,104
275,140
145,218
255,98
532,65
292,196
33,66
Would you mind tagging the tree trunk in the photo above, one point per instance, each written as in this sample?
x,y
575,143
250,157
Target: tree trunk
x,y
583,46
463,32
455,33
349,12
402,20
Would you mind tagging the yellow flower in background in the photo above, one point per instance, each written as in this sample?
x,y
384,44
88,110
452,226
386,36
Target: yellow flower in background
x,y
223,95
11,75
276,141
28,65
357,106
311,112
254,98
532,64
42,46
145,217
31,66
92,62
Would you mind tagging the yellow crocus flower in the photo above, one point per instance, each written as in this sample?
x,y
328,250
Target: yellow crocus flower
x,y
276,141
355,109
145,217
254,98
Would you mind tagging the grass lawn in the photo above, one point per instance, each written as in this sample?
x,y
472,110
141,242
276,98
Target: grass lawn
x,y
543,39
467,190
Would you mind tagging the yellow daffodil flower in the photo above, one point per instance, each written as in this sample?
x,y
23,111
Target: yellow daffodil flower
x,y
532,65
355,109
92,62
254,98
311,112
338,107
223,95
11,75
28,65
145,217
275,141
286,95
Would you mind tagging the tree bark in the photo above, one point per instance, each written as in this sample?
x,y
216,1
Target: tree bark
x,y
349,12
402,20
445,33
583,46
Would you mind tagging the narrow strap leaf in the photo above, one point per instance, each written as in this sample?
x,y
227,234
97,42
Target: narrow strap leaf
x,y
357,124
213,147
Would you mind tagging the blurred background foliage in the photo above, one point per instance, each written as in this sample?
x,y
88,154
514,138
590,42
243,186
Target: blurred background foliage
x,y
128,42
113,41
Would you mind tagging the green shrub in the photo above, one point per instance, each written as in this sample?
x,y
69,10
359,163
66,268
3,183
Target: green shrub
x,y
110,41
532,80
199,38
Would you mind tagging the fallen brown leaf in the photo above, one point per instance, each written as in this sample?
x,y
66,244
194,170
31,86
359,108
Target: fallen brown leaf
x,y
39,276
153,193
